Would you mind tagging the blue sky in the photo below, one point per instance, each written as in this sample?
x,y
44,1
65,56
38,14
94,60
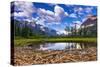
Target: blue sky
x,y
53,16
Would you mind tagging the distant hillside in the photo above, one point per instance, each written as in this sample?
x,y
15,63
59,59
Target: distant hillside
x,y
24,28
90,20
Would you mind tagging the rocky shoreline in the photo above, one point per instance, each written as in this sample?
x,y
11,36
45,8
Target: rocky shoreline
x,y
28,56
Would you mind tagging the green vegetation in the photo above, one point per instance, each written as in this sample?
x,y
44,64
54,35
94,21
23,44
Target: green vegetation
x,y
23,41
24,34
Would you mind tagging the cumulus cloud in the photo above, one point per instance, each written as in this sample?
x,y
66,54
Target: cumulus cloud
x,y
41,22
51,16
23,9
26,9
46,14
31,19
43,13
59,12
78,9
81,10
73,15
88,9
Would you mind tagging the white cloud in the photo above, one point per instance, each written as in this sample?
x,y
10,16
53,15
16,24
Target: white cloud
x,y
88,9
25,9
43,13
46,14
21,14
32,19
84,19
75,10
28,20
78,24
79,11
59,12
66,14
50,13
54,23
41,22
73,15
62,32
51,16
25,6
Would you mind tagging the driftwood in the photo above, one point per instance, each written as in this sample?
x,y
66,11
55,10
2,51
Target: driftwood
x,y
27,57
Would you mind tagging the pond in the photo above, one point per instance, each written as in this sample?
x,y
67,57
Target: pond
x,y
61,45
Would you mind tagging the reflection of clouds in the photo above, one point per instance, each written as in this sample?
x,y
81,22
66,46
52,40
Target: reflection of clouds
x,y
60,46
57,46
78,46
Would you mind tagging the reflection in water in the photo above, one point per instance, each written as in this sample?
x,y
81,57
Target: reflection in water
x,y
62,46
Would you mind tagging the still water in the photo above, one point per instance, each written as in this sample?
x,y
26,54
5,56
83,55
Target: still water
x,y
61,46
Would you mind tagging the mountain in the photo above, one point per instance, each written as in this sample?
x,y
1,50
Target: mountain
x,y
91,20
89,27
31,28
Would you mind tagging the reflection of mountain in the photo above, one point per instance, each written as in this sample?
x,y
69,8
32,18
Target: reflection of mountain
x,y
22,27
